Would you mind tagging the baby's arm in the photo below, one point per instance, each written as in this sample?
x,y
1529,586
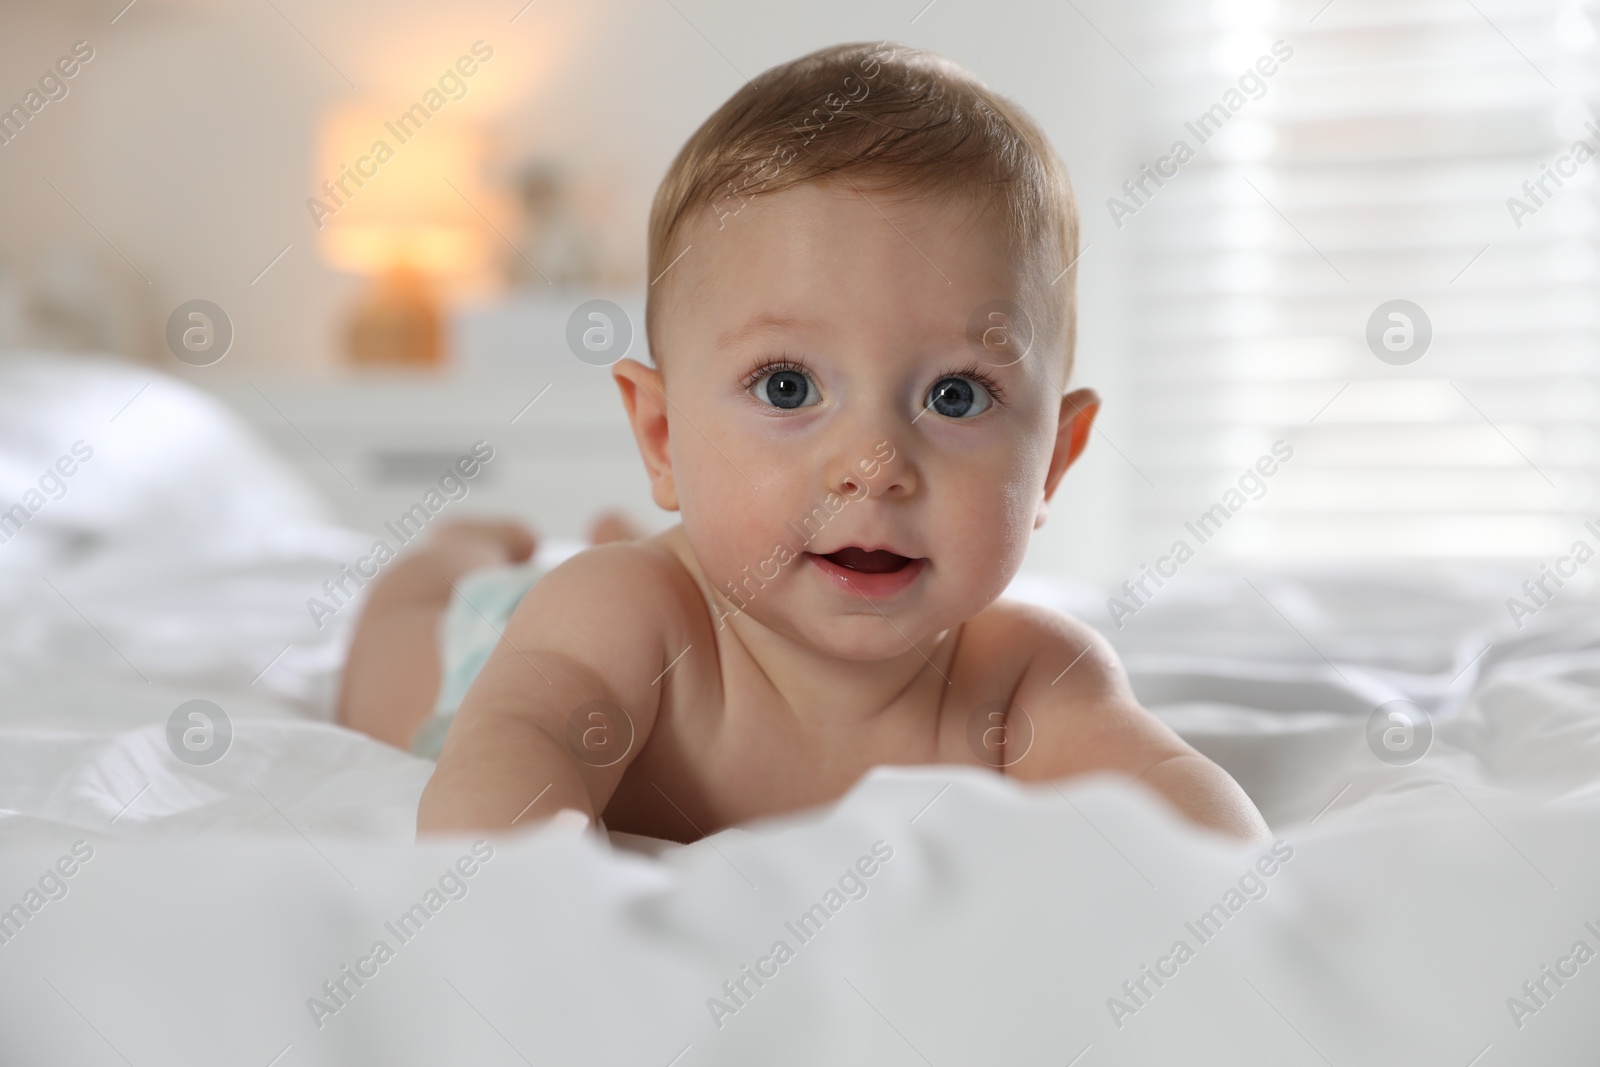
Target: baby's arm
x,y
1087,719
595,629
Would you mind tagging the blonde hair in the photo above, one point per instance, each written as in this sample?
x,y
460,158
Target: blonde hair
x,y
902,118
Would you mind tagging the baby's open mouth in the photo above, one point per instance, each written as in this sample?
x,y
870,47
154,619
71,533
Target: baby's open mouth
x,y
874,573
878,561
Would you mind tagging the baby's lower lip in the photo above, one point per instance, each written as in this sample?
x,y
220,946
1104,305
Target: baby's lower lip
x,y
869,585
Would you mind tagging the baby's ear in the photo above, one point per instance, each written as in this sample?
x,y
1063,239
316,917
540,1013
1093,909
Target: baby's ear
x,y
644,397
1076,419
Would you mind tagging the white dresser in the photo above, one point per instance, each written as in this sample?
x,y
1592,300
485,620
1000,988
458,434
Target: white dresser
x,y
375,442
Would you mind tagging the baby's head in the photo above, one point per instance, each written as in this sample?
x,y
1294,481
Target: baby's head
x,y
861,317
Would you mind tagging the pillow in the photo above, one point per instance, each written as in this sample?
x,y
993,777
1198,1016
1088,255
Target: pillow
x,y
97,452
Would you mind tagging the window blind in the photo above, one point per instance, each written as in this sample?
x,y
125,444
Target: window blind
x,y
1380,163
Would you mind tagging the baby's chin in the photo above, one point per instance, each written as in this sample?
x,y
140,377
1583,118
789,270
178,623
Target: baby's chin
x,y
857,633
862,638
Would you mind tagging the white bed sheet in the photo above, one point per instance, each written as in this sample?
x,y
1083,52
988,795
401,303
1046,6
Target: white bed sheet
x,y
177,565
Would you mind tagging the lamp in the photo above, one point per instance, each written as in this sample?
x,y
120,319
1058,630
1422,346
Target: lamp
x,y
396,203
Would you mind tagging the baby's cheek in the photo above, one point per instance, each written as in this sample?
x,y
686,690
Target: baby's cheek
x,y
730,525
989,536
1021,505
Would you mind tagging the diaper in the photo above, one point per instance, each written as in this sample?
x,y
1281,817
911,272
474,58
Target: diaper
x,y
480,607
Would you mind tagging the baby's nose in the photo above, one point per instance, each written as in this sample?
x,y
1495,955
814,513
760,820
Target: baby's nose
x,y
875,475
854,487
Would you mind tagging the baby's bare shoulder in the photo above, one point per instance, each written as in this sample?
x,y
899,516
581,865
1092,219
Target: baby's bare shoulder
x,y
1033,641
1081,712
650,567
624,599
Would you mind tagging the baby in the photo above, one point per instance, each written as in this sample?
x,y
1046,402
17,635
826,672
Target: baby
x,y
861,326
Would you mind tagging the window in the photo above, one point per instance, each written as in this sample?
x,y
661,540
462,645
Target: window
x,y
1402,152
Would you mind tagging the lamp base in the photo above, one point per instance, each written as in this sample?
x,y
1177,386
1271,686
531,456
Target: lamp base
x,y
397,323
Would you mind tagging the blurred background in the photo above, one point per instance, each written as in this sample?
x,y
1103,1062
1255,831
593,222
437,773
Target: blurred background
x,y
379,328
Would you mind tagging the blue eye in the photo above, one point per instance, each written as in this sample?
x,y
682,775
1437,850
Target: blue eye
x,y
786,389
958,398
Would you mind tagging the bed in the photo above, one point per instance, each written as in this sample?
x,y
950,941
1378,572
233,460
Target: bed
x,y
1439,904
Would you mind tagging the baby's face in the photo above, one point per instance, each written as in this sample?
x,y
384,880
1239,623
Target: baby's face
x,y
848,457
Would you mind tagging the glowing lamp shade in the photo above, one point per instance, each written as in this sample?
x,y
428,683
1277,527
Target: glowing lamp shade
x,y
394,197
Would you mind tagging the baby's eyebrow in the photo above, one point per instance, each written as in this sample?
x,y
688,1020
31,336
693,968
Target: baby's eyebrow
x,y
767,322
771,322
